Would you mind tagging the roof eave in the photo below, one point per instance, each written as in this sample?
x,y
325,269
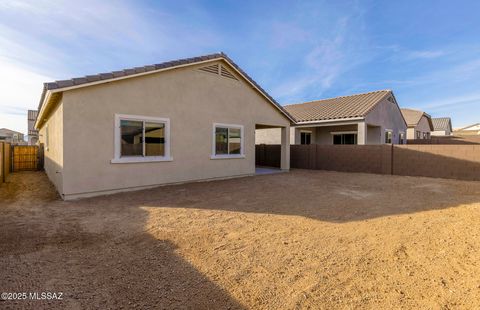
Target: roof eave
x,y
220,56
333,120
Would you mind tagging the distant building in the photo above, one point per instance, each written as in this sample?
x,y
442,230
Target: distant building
x,y
11,136
368,118
472,130
32,133
442,126
419,124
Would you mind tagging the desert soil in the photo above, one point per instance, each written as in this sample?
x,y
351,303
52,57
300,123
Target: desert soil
x,y
304,239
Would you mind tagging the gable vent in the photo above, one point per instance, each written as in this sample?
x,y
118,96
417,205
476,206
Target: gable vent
x,y
210,69
391,100
224,72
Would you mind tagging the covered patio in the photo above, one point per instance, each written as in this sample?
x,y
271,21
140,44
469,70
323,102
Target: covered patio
x,y
349,132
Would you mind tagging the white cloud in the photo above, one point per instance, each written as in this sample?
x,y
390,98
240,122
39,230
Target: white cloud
x,y
20,91
327,60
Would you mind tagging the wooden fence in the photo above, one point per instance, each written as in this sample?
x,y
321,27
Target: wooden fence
x,y
26,157
5,163
442,161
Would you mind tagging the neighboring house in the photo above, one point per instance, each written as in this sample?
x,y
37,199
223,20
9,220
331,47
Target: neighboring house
x,y
369,118
419,124
32,132
11,136
442,126
185,120
471,130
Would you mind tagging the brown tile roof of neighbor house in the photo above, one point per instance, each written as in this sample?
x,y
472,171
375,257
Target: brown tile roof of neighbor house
x,y
57,85
412,117
442,123
352,106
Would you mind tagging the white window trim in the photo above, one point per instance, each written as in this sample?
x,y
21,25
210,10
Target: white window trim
x,y
242,142
118,159
390,131
333,133
404,136
343,132
308,132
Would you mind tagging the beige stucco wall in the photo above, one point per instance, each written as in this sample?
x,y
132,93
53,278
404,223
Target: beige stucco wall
x,y
441,133
193,100
423,126
53,153
273,136
387,116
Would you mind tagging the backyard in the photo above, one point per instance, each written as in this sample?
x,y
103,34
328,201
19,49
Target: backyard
x,y
304,239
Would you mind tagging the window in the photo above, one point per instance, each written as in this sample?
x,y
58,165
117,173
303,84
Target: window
x,y
425,136
401,138
227,141
344,138
141,139
305,137
388,136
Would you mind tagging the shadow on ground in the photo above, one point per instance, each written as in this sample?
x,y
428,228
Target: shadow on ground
x,y
81,249
320,195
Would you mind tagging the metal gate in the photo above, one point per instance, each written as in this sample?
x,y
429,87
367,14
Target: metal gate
x,y
25,157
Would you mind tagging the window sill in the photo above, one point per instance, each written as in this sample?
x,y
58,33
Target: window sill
x,y
227,156
129,160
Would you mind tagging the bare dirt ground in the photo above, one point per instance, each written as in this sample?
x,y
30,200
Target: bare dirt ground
x,y
305,239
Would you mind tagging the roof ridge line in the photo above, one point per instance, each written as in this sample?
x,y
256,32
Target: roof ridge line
x,y
211,56
346,96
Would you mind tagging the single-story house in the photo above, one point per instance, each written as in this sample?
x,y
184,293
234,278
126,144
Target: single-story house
x,y
180,121
442,126
368,118
419,124
11,136
471,130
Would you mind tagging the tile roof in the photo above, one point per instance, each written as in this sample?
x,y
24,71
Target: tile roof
x,y
442,123
412,117
352,106
164,65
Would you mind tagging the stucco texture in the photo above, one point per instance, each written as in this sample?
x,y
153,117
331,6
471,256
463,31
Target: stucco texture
x,y
53,150
193,100
423,126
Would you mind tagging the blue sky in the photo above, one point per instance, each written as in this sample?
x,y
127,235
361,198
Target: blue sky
x,y
427,52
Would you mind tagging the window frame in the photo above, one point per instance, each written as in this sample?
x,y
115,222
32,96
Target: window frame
x,y
342,133
386,135
242,141
306,132
118,159
401,137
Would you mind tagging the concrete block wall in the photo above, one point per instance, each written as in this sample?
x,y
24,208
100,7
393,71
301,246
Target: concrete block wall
x,y
439,161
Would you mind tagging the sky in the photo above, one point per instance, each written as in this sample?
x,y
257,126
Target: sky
x,y
427,52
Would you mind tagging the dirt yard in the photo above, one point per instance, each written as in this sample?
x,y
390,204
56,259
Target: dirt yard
x,y
305,239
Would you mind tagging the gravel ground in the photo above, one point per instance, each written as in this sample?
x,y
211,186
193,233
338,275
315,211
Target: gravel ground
x,y
304,239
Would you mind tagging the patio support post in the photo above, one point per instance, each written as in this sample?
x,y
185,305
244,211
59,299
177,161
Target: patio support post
x,y
362,133
285,152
